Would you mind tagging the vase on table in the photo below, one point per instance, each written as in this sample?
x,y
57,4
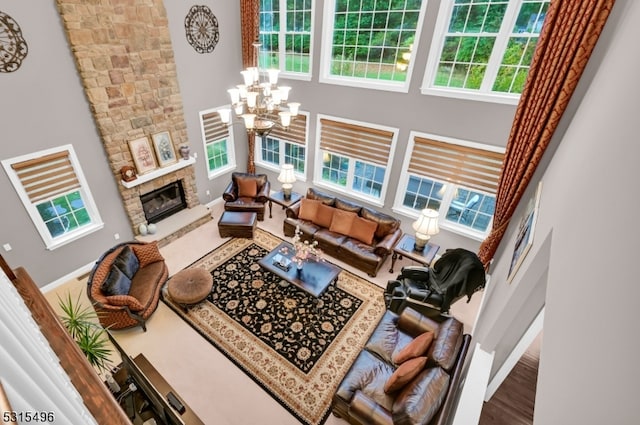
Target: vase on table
x,y
299,268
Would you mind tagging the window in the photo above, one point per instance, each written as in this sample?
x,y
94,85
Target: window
x,y
218,143
53,189
485,48
290,49
368,44
458,179
355,157
285,146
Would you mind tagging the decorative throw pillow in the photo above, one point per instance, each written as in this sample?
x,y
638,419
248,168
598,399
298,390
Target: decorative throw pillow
x,y
308,209
247,188
404,374
127,262
363,230
116,283
415,348
324,216
341,221
147,253
386,223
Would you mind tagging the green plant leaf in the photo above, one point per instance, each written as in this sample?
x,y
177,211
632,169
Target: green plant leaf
x,y
81,323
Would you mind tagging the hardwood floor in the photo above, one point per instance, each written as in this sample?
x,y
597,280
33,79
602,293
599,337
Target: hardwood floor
x,y
513,402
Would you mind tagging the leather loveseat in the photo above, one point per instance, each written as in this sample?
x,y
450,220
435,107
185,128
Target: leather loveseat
x,y
408,372
124,284
357,235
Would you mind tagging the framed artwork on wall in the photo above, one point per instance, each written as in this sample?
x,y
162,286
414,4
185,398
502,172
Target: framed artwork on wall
x,y
142,155
163,146
526,231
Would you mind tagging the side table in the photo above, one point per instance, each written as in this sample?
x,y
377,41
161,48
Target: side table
x,y
278,198
405,248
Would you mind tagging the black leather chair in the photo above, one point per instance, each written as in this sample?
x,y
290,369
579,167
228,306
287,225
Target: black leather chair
x,y
458,272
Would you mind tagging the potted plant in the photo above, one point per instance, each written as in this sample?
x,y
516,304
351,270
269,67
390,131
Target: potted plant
x,y
81,323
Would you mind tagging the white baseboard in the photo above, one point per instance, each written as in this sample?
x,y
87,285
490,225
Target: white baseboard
x,y
66,278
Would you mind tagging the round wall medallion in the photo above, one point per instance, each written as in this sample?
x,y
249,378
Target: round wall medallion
x,y
13,48
202,29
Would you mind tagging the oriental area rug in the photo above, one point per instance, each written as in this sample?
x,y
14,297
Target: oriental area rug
x,y
295,347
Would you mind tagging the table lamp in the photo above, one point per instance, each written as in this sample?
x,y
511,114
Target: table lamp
x,y
425,227
287,178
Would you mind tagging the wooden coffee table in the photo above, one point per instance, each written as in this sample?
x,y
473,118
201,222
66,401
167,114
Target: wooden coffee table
x,y
405,248
315,277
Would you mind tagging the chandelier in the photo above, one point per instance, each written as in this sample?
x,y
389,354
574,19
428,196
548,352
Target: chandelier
x,y
260,101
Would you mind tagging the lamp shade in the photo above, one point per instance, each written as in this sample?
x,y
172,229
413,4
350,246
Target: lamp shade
x,y
286,174
225,115
427,223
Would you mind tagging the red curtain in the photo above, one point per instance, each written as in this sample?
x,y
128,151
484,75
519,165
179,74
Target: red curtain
x,y
249,22
569,34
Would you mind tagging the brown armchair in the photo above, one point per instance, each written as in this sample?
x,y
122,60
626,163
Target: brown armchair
x,y
124,285
247,193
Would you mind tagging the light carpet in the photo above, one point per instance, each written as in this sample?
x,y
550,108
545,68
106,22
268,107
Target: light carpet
x,y
298,350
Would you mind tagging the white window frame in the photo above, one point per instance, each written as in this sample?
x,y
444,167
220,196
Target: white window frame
x,y
326,56
283,142
450,191
317,176
50,242
484,93
282,43
231,155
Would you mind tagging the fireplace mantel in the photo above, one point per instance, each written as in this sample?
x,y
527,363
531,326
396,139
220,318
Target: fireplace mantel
x,y
182,163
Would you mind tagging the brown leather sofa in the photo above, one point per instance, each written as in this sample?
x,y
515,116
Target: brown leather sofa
x,y
124,284
427,398
366,255
247,193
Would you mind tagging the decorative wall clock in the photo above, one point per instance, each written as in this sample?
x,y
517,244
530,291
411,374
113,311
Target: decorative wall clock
x,y
201,26
13,48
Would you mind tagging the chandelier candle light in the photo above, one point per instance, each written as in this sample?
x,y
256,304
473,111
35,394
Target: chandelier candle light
x,y
259,99
287,178
425,227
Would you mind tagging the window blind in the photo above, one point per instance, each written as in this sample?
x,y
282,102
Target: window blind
x,y
467,166
47,176
356,141
213,127
297,132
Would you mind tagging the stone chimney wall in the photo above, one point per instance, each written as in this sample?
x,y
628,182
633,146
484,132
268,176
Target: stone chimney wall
x,y
124,56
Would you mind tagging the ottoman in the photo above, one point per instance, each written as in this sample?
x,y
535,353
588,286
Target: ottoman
x,y
190,286
236,224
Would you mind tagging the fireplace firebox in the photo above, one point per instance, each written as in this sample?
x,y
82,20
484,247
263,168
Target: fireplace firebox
x,y
163,202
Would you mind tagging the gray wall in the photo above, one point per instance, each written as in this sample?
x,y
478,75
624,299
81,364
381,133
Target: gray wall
x,y
204,80
44,106
587,232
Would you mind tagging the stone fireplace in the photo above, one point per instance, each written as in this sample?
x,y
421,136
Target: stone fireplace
x,y
124,55
163,202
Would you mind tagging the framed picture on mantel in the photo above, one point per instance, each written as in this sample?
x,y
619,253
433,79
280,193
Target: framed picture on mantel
x,y
163,146
526,230
142,155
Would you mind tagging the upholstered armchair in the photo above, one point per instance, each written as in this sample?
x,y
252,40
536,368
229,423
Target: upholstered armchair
x,y
247,193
